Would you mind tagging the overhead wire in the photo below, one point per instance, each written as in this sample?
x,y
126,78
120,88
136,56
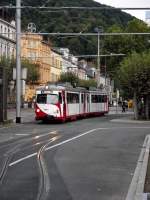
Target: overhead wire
x,y
77,7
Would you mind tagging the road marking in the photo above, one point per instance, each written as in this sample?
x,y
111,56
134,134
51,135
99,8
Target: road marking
x,y
22,134
69,140
56,145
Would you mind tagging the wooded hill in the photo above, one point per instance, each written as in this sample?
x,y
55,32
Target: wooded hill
x,y
71,21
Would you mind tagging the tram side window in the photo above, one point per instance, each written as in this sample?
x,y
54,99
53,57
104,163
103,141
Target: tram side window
x,y
72,98
97,98
93,99
82,98
60,97
104,98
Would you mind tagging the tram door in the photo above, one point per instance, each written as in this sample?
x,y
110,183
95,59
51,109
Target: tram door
x,y
88,103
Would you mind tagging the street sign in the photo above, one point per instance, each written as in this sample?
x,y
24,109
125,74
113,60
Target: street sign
x,y
23,73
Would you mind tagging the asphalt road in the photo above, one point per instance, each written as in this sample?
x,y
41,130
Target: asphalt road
x,y
89,159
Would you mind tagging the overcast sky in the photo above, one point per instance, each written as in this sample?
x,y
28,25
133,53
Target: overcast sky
x,y
129,3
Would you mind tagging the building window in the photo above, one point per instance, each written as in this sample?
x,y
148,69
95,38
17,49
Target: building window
x,y
31,44
32,56
1,29
5,31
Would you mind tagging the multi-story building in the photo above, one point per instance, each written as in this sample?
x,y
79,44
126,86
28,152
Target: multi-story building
x,y
82,69
56,65
65,59
147,17
7,38
37,51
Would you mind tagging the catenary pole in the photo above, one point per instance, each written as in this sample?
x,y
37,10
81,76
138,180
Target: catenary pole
x,y
18,61
98,56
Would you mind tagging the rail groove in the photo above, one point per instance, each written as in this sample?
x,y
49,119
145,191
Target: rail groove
x,y
44,185
18,146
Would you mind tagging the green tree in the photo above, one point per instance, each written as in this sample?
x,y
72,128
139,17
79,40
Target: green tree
x,y
134,77
75,81
32,71
125,43
69,77
7,64
88,83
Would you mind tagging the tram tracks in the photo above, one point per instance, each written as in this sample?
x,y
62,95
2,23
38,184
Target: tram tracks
x,y
44,184
9,155
24,144
7,158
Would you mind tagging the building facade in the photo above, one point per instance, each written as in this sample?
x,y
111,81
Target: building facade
x,y
37,51
56,66
7,38
147,17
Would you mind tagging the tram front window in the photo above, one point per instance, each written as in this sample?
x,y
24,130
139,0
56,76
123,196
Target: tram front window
x,y
47,98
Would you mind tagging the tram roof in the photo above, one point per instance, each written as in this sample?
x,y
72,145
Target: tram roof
x,y
69,87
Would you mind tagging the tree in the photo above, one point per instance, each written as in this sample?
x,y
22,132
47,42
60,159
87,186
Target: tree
x,y
32,71
125,44
75,81
134,77
69,77
88,83
7,64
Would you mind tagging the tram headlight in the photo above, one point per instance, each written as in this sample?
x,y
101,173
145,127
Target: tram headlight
x,y
37,110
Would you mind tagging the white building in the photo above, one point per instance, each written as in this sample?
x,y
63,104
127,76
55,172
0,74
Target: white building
x,y
147,17
108,85
7,38
65,59
69,62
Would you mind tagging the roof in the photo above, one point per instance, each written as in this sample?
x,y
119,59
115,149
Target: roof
x,y
69,87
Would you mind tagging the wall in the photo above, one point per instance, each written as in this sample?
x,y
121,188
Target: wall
x,y
7,39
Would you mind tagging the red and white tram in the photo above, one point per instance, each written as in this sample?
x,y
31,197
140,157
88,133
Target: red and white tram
x,y
60,102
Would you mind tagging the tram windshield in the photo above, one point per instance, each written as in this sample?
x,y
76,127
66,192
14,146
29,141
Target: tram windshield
x,y
47,98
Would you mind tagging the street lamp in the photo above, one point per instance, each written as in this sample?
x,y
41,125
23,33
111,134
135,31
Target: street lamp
x,y
98,30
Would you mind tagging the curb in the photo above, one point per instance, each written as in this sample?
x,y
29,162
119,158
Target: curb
x,y
136,189
6,122
130,121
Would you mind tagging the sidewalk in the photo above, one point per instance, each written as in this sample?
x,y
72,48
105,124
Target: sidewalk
x,y
130,119
9,131
118,110
27,115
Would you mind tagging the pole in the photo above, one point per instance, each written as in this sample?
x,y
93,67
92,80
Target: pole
x,y
18,61
98,57
5,87
105,72
1,94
